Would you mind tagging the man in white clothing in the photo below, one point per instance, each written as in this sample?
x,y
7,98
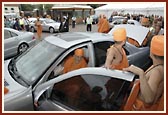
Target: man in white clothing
x,y
89,21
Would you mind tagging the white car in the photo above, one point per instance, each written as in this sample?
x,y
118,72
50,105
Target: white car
x,y
134,22
47,25
120,21
16,42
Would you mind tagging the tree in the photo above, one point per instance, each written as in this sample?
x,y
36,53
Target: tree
x,y
26,7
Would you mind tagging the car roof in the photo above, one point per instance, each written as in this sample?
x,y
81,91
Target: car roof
x,y
66,40
34,19
119,17
138,33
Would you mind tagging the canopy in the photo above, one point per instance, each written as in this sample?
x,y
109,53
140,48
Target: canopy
x,y
146,8
71,6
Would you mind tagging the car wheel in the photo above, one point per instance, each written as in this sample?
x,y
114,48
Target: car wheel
x,y
32,29
51,30
22,48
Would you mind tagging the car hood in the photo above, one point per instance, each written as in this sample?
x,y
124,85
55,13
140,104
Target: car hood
x,y
13,86
137,33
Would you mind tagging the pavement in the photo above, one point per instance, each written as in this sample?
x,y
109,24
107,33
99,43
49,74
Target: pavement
x,y
78,28
82,28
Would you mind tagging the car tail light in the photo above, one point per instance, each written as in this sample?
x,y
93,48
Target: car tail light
x,y
6,90
33,37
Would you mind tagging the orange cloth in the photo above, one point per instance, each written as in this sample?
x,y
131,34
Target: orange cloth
x,y
145,21
100,23
133,95
79,52
104,28
135,104
123,64
39,29
157,45
133,42
70,64
139,105
161,103
119,34
5,90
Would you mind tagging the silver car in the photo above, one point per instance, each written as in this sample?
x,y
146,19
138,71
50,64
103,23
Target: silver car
x,y
120,21
47,25
16,42
29,77
134,22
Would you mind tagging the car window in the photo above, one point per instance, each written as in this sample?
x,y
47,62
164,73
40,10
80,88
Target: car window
x,y
120,21
90,93
13,34
100,52
115,22
49,21
9,34
34,21
42,21
6,34
60,69
133,42
35,62
131,23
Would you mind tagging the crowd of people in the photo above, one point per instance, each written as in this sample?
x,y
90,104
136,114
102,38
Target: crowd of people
x,y
20,23
152,81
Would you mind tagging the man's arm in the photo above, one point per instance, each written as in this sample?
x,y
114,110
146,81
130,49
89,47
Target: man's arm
x,y
109,58
148,88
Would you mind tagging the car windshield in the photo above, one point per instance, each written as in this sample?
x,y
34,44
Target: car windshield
x,y
49,21
32,65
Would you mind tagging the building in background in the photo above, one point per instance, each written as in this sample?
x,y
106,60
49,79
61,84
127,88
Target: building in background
x,y
11,10
79,11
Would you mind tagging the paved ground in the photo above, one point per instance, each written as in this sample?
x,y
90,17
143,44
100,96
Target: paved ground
x,y
78,28
82,28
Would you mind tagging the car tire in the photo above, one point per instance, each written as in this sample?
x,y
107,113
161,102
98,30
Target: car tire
x,y
32,29
22,48
51,30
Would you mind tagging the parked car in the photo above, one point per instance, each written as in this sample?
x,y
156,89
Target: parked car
x,y
120,21
116,22
32,20
47,25
16,42
111,19
28,77
134,22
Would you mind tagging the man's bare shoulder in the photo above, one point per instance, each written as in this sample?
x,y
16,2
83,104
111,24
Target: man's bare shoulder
x,y
157,74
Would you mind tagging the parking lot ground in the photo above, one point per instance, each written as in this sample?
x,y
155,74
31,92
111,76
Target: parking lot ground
x,y
82,28
78,28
